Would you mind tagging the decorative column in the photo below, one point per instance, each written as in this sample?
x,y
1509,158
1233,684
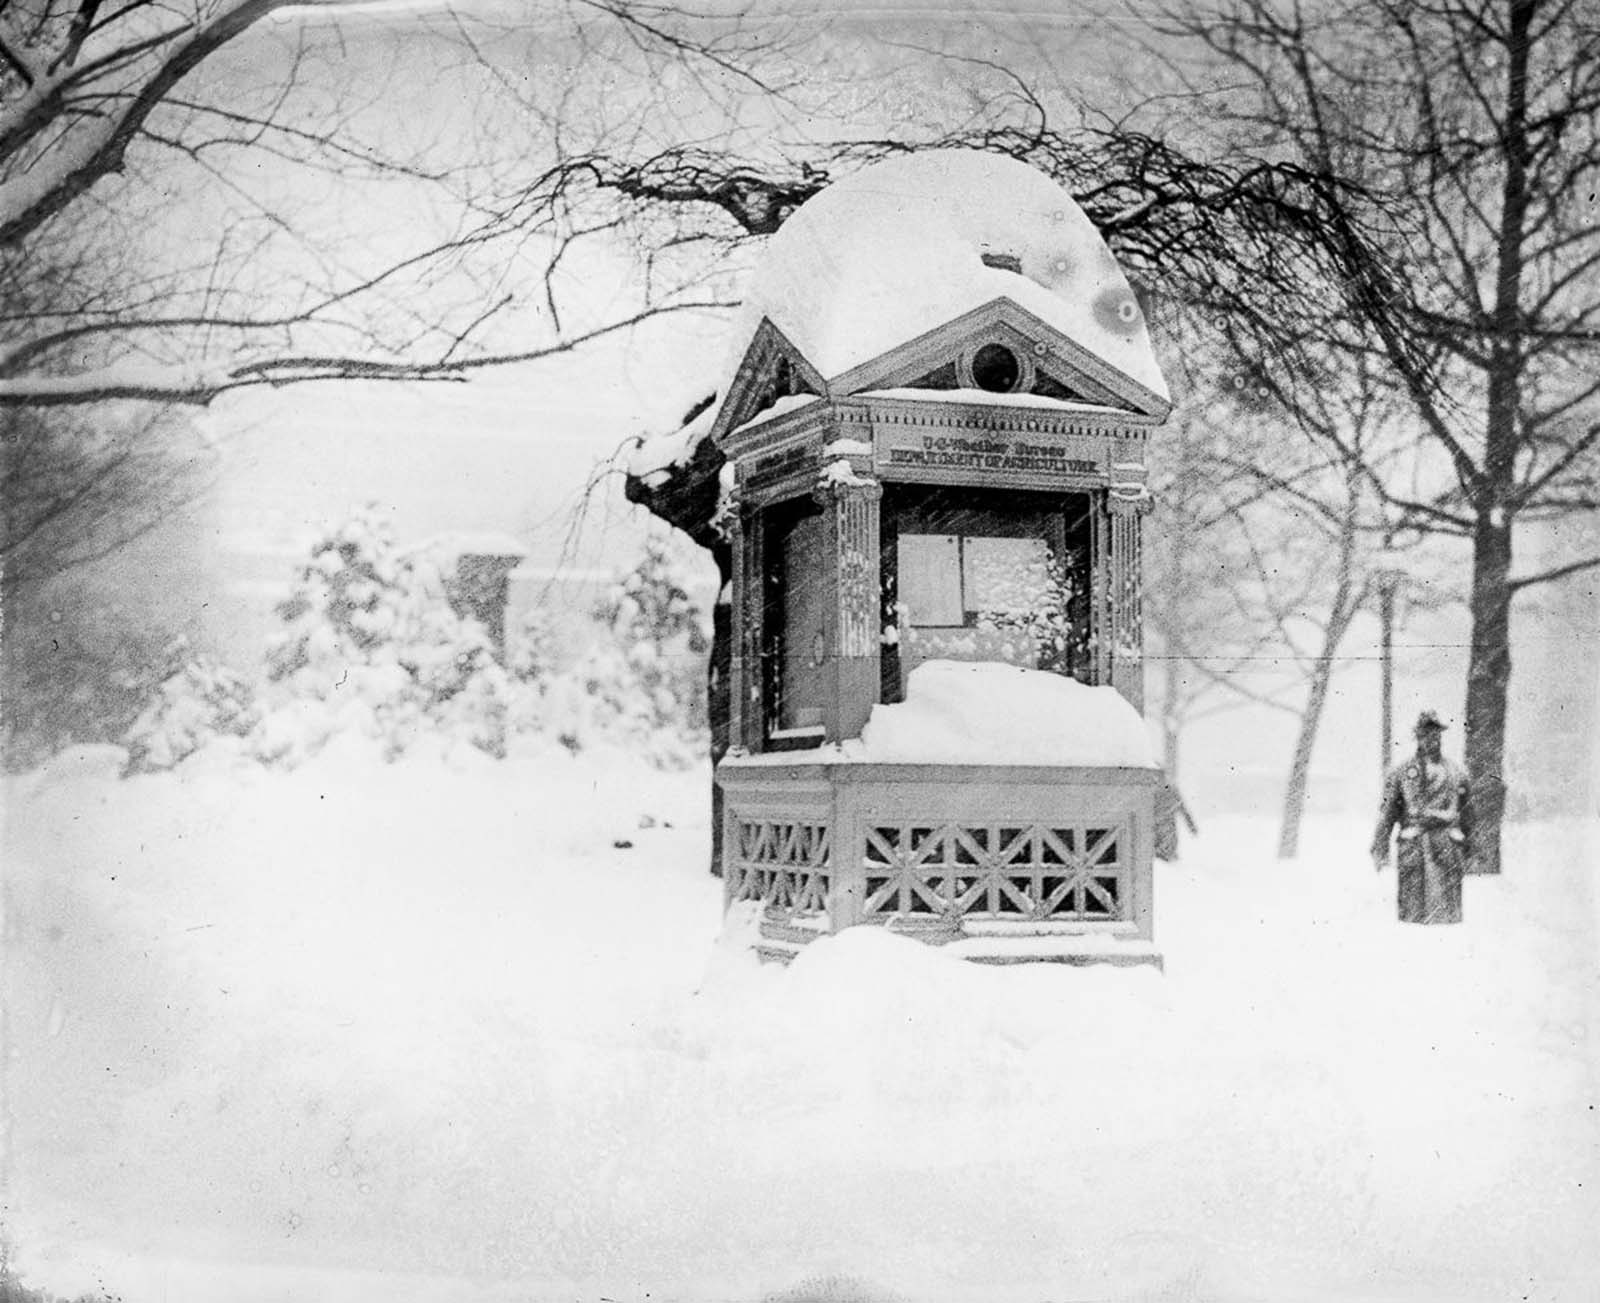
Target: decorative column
x,y
1126,501
723,704
850,503
744,598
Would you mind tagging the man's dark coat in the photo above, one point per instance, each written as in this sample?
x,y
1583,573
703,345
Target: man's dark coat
x,y
1427,801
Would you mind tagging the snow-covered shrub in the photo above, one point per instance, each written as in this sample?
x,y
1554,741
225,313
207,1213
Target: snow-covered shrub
x,y
202,701
664,636
532,648
545,699
370,645
644,685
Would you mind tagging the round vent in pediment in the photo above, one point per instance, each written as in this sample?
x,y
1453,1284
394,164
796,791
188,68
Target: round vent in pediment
x,y
996,368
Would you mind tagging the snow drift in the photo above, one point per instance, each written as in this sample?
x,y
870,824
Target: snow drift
x,y
467,1032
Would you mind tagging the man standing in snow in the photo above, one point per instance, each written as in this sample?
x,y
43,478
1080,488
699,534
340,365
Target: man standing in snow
x,y
1426,798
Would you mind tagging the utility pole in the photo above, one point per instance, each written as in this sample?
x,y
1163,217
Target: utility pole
x,y
1390,569
1386,586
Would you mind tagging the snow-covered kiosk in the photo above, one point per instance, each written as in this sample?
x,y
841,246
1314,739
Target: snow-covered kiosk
x,y
929,448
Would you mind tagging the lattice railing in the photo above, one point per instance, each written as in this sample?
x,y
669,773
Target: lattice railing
x,y
1029,872
785,866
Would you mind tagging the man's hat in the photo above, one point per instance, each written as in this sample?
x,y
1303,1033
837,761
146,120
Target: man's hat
x,y
1430,719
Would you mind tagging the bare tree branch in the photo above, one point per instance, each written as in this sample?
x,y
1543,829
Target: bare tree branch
x,y
1522,582
199,386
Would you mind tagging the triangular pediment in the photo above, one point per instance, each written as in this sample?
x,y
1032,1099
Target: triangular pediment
x,y
1042,382
1055,365
772,368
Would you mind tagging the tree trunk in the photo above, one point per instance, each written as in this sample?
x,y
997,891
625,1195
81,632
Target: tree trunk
x,y
1489,671
1386,673
1341,611
1488,679
1294,796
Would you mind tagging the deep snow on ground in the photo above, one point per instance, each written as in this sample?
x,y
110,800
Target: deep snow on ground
x,y
368,1032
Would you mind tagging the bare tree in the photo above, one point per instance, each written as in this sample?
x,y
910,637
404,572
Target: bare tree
x,y
218,194
78,487
1209,635
123,126
1262,560
1348,437
1451,150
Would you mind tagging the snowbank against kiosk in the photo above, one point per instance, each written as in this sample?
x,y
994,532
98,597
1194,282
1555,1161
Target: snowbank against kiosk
x,y
985,713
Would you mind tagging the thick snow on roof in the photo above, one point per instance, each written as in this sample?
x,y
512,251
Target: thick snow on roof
x,y
896,250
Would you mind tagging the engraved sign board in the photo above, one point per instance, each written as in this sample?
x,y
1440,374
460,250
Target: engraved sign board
x,y
780,473
990,456
786,462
